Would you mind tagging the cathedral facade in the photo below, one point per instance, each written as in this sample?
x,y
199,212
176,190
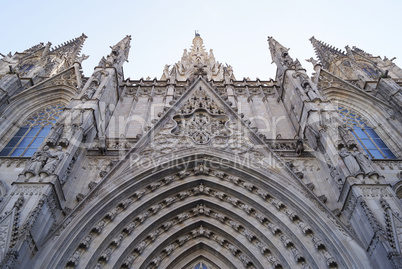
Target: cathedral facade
x,y
200,169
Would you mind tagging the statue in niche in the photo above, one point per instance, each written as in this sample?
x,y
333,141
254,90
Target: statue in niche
x,y
54,137
350,161
346,137
53,160
67,134
364,162
70,127
37,161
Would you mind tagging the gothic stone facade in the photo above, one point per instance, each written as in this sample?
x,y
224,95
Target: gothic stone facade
x,y
200,169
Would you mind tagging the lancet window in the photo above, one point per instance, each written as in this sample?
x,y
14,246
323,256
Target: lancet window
x,y
366,135
31,135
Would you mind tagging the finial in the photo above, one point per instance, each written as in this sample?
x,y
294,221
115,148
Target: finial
x,y
196,33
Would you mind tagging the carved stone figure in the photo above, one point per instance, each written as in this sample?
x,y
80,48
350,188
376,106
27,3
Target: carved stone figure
x,y
311,93
183,216
286,59
245,260
86,241
117,240
154,234
89,92
169,249
53,160
312,60
299,147
157,260
166,72
183,239
99,227
350,161
38,161
74,259
67,135
54,137
105,255
141,246
346,137
364,162
262,247
233,249
82,58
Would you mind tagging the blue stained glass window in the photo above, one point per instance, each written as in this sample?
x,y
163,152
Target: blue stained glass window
x,y
200,266
365,135
29,137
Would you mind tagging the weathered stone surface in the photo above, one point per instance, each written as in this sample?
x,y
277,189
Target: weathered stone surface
x,y
199,167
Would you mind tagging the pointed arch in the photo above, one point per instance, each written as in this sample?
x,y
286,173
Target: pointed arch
x,y
368,139
33,132
264,215
380,118
192,257
50,92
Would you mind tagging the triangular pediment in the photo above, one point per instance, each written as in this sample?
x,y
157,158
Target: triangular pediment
x,y
201,121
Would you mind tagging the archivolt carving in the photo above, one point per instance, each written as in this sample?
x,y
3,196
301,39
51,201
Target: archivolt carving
x,y
201,209
202,232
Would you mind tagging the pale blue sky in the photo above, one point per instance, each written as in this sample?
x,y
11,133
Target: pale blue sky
x,y
237,31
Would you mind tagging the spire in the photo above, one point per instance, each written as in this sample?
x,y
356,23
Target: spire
x,y
325,52
197,51
70,50
119,53
281,56
276,48
196,62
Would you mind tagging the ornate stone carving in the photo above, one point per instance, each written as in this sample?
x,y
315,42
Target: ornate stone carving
x,y
99,227
86,242
74,259
329,259
105,255
201,127
37,162
53,160
364,162
350,161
